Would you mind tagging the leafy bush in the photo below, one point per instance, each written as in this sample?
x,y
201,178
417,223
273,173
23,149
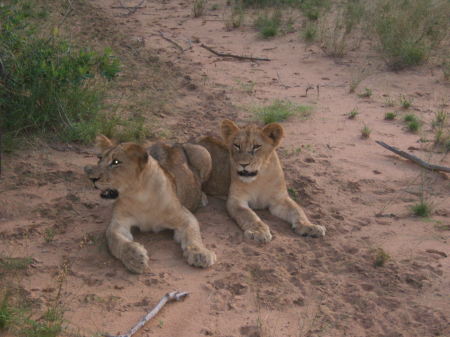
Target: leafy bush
x,y
47,85
409,30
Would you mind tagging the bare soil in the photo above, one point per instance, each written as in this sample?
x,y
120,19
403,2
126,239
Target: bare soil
x,y
292,286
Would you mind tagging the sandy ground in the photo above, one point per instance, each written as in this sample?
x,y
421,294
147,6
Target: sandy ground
x,y
292,286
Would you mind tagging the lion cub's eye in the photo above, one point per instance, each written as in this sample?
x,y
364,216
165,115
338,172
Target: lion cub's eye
x,y
115,162
256,147
237,146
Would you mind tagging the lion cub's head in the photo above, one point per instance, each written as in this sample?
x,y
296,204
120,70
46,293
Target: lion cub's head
x,y
250,146
118,168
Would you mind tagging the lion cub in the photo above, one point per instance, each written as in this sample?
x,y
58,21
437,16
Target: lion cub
x,y
246,166
153,192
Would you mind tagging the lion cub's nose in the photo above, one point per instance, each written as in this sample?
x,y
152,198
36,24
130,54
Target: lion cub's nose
x,y
88,169
244,165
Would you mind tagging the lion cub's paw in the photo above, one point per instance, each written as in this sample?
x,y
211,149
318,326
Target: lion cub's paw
x,y
260,234
315,231
199,256
134,257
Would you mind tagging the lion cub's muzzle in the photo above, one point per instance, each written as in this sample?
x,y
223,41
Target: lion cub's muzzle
x,y
108,193
245,173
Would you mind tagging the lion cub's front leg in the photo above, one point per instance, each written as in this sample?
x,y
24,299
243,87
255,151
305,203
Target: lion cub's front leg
x,y
188,234
287,209
121,245
254,228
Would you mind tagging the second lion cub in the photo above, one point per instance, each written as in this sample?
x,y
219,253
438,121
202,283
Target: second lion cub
x,y
246,165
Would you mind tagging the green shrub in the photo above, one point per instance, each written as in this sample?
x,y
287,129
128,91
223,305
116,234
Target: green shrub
x,y
48,86
409,30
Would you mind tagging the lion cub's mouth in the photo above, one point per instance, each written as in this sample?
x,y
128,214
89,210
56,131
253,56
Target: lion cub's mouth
x,y
109,194
245,173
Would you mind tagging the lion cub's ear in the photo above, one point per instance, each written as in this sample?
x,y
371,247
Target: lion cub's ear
x,y
102,143
138,153
228,128
275,132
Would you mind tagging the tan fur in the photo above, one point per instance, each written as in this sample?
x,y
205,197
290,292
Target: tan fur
x,y
155,192
251,151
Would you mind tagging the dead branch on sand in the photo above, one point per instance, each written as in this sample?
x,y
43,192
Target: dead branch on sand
x,y
172,41
131,9
169,297
250,58
414,159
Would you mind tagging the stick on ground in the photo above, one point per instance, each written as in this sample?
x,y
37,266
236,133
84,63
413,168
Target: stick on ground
x,y
413,158
173,296
250,58
171,41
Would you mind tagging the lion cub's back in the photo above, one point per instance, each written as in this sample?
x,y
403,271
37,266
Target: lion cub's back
x,y
218,183
175,163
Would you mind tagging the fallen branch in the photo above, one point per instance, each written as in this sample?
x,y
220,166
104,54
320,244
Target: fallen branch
x,y
176,295
131,9
415,159
171,41
234,56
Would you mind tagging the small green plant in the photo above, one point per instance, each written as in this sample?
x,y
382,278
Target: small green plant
x,y
280,110
366,93
365,131
390,116
6,312
413,126
440,118
49,234
446,69
309,33
236,17
248,87
15,263
405,103
269,25
410,118
352,114
422,209
381,257
199,7
389,102
293,193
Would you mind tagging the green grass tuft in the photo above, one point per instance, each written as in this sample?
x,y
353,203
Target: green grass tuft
x,y
352,114
390,116
366,93
280,110
381,257
15,263
422,209
365,131
269,25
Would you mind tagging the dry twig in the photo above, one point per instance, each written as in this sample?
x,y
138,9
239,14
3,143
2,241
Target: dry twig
x,y
171,41
414,159
175,295
250,58
131,9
